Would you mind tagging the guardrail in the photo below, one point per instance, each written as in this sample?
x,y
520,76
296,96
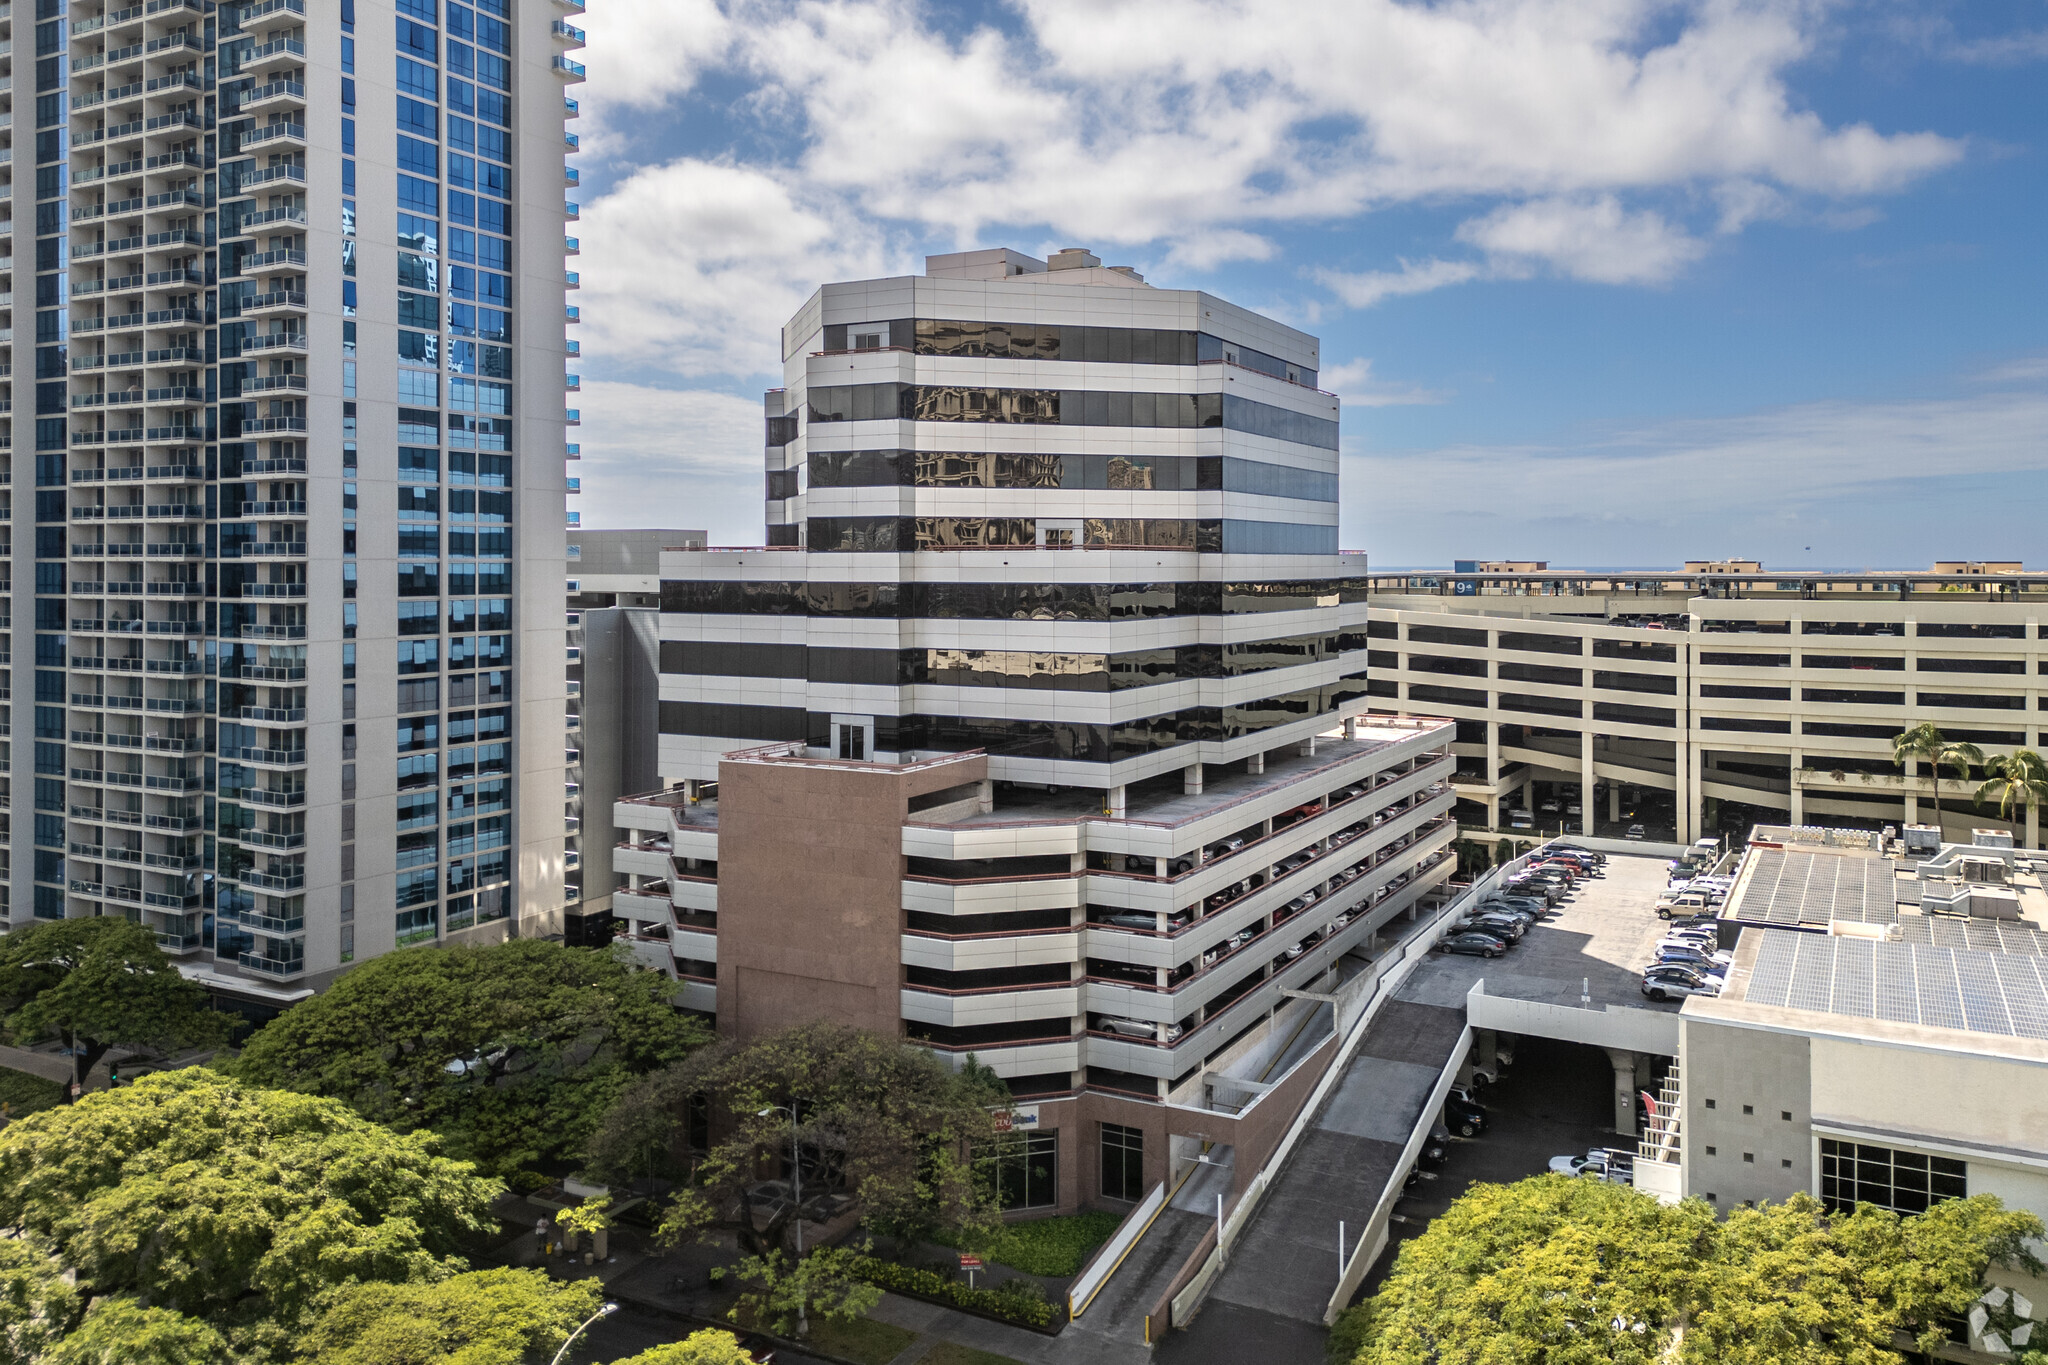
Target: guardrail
x,y
1096,1274
1358,1002
1373,1238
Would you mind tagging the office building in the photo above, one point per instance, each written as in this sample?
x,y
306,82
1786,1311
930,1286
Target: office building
x,y
613,722
297,475
1709,698
1882,1038
1035,734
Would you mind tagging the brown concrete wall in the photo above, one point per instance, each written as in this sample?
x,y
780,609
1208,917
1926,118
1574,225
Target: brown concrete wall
x,y
1251,1139
810,890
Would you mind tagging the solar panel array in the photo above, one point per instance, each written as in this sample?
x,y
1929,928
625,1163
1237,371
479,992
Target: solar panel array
x,y
1982,935
1924,983
1813,888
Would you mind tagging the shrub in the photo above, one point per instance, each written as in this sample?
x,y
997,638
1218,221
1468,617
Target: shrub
x,y
1019,1301
1053,1247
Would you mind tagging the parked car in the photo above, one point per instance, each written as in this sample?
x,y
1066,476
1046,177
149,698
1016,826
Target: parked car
x,y
1520,913
759,1349
1132,919
1673,982
1464,1117
1635,832
1690,957
1501,927
1436,1147
1130,1028
1566,846
1600,1163
1472,943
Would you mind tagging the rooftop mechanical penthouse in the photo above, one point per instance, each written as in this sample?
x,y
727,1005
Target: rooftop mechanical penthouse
x,y
1036,735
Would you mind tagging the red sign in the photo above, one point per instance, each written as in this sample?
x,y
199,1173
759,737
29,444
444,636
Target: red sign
x,y
970,1262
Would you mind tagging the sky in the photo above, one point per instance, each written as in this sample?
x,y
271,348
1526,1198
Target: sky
x,y
1600,282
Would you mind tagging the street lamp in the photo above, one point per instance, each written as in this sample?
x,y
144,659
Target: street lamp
x,y
603,1312
796,1166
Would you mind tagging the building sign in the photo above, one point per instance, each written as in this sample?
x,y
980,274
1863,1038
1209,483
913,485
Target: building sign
x,y
1023,1116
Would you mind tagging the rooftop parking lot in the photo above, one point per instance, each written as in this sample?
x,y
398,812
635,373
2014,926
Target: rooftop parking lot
x,y
1597,940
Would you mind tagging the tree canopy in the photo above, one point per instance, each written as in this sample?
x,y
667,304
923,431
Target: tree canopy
x,y
238,1207
886,1125
1558,1271
98,982
707,1347
486,1317
120,1331
511,1051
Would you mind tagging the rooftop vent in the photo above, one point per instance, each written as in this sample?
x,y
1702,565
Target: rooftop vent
x,y
1073,258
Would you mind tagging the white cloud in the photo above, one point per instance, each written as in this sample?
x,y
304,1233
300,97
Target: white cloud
x,y
1354,383
693,266
1365,289
1584,130
1592,239
1881,483
689,454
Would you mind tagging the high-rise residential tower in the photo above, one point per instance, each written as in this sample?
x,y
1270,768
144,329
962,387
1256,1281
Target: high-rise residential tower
x,y
291,427
1036,733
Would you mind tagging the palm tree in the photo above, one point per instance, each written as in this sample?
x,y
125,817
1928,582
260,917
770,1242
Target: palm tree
x,y
1926,743
2016,782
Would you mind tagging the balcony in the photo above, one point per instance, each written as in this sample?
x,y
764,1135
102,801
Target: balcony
x,y
255,962
563,67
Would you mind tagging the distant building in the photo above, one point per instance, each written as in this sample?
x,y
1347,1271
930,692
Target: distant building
x,y
1702,700
614,700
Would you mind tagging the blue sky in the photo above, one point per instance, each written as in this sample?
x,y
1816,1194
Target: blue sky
x,y
1609,282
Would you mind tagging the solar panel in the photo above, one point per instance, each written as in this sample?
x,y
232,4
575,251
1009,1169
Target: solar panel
x,y
1855,977
2026,994
1941,1003
1895,997
1983,996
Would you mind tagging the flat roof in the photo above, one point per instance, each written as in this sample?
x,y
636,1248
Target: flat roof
x,y
1163,801
1914,983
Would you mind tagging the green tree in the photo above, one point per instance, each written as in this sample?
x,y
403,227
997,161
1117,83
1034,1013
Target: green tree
x,y
97,982
486,1317
782,1295
243,1208
1926,743
707,1347
37,1304
884,1124
1556,1271
511,1051
2015,783
120,1331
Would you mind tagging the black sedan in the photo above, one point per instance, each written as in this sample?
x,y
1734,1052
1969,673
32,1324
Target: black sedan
x,y
1473,943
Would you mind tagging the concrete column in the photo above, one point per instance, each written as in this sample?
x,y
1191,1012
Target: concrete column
x,y
1492,812
1624,1063
1487,1044
985,797
1191,779
1119,802
1256,763
1492,752
691,788
1351,727
1912,800
1613,802
1586,783
1308,747
1689,784
1798,792
1161,869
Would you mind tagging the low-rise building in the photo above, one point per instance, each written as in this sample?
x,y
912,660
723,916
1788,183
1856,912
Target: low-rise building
x,y
1709,700
1882,1036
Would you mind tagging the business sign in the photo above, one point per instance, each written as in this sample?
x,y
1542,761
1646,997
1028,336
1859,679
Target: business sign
x,y
969,1262
1464,587
1023,1116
